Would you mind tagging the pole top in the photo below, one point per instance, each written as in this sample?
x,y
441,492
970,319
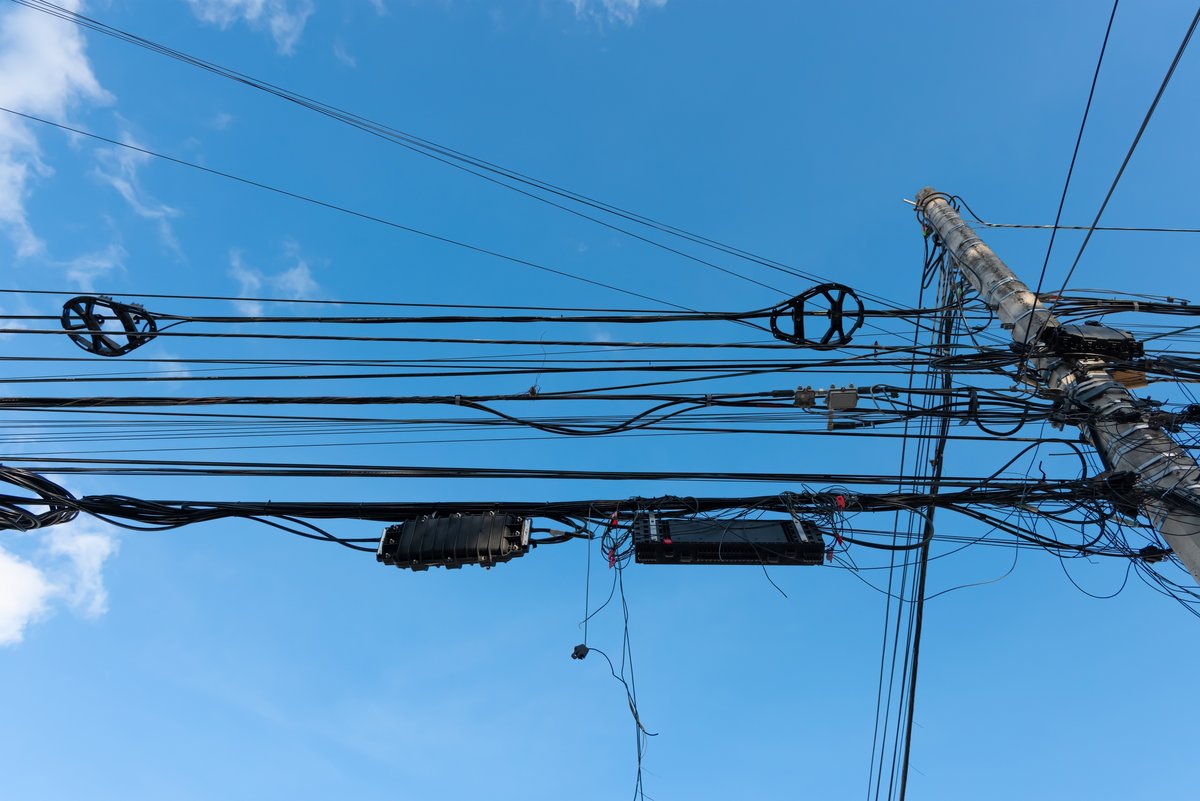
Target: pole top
x,y
925,194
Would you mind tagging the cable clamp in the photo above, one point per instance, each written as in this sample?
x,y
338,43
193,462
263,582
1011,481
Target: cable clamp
x,y
1033,326
1083,391
992,294
962,224
991,290
1125,442
1190,492
1158,475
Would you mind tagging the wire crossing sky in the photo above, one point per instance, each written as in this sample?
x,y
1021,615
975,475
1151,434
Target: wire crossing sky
x,y
282,275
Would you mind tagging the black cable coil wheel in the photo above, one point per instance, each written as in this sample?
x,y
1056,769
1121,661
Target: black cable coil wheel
x,y
843,322
85,318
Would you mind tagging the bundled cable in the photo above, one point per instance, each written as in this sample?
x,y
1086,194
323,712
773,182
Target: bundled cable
x,y
14,514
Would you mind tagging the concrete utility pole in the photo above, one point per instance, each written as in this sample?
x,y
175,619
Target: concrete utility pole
x,y
1116,423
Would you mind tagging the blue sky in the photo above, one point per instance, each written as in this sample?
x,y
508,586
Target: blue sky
x,y
225,660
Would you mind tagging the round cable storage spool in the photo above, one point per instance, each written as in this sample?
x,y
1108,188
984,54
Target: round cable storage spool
x,y
106,327
843,321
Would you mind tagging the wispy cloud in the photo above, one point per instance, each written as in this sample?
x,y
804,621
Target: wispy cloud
x,y
81,548
20,306
339,52
173,366
622,11
66,568
86,269
44,70
284,19
380,8
119,167
294,283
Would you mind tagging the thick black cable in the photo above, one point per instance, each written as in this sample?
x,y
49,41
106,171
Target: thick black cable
x,y
967,488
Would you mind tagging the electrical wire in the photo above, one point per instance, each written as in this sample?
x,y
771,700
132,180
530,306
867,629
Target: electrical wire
x,y
1132,148
338,208
1062,201
480,168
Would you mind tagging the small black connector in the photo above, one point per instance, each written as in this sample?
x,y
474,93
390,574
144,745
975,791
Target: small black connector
x,y
1152,553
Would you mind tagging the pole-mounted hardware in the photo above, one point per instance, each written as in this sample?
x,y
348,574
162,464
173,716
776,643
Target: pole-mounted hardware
x,y
1074,365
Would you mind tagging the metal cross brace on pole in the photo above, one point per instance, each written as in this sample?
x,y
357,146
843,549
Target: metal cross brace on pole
x,y
1115,423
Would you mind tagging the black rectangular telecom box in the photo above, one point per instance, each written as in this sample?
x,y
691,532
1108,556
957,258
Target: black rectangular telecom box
x,y
660,540
454,541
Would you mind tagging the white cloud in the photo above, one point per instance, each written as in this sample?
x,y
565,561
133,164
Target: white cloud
x,y
24,597
294,283
86,269
119,168
85,547
250,283
285,19
380,9
339,52
222,121
18,162
67,568
624,11
43,71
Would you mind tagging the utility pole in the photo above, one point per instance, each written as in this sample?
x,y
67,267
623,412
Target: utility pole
x,y
1115,421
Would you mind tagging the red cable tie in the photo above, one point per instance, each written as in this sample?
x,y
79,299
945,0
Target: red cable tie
x,y
612,552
